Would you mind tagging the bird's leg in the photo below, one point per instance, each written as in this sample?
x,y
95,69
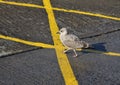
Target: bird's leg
x,y
75,53
67,50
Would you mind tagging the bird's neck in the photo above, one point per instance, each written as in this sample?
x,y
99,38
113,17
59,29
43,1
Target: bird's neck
x,y
65,33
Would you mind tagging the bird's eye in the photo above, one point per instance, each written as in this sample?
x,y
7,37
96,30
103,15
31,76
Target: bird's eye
x,y
61,31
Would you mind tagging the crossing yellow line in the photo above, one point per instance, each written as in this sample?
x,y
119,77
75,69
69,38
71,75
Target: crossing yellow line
x,y
38,44
65,67
62,10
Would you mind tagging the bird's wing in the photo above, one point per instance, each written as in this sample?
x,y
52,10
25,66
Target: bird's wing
x,y
75,44
72,37
73,41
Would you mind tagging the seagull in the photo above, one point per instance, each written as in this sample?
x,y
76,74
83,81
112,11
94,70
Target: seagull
x,y
71,41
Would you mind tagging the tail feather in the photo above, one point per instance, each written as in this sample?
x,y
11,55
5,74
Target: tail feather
x,y
85,45
89,46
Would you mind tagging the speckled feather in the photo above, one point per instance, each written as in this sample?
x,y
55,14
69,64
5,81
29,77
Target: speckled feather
x,y
72,41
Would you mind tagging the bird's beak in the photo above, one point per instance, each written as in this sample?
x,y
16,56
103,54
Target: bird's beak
x,y
58,33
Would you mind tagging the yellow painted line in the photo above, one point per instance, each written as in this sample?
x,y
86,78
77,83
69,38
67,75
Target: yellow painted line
x,y
88,13
37,44
64,64
21,4
63,10
101,52
112,53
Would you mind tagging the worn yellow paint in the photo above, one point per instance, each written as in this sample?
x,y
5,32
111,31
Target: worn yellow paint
x,y
63,10
37,44
111,53
101,52
65,67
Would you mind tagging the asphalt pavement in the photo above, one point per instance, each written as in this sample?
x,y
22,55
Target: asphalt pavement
x,y
23,64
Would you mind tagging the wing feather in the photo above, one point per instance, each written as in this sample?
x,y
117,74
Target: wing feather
x,y
73,41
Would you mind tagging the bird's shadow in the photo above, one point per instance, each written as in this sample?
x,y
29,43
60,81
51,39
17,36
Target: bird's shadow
x,y
97,46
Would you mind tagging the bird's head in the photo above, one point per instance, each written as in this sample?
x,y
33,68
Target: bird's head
x,y
63,31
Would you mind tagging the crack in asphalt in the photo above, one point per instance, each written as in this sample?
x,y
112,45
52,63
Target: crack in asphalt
x,y
91,35
20,51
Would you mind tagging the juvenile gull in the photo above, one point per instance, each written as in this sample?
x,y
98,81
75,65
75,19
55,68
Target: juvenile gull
x,y
71,41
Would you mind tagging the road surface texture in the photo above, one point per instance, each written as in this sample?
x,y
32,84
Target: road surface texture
x,y
28,51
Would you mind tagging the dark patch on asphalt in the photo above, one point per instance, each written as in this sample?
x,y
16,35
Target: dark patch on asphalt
x,y
99,46
96,46
107,7
31,68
